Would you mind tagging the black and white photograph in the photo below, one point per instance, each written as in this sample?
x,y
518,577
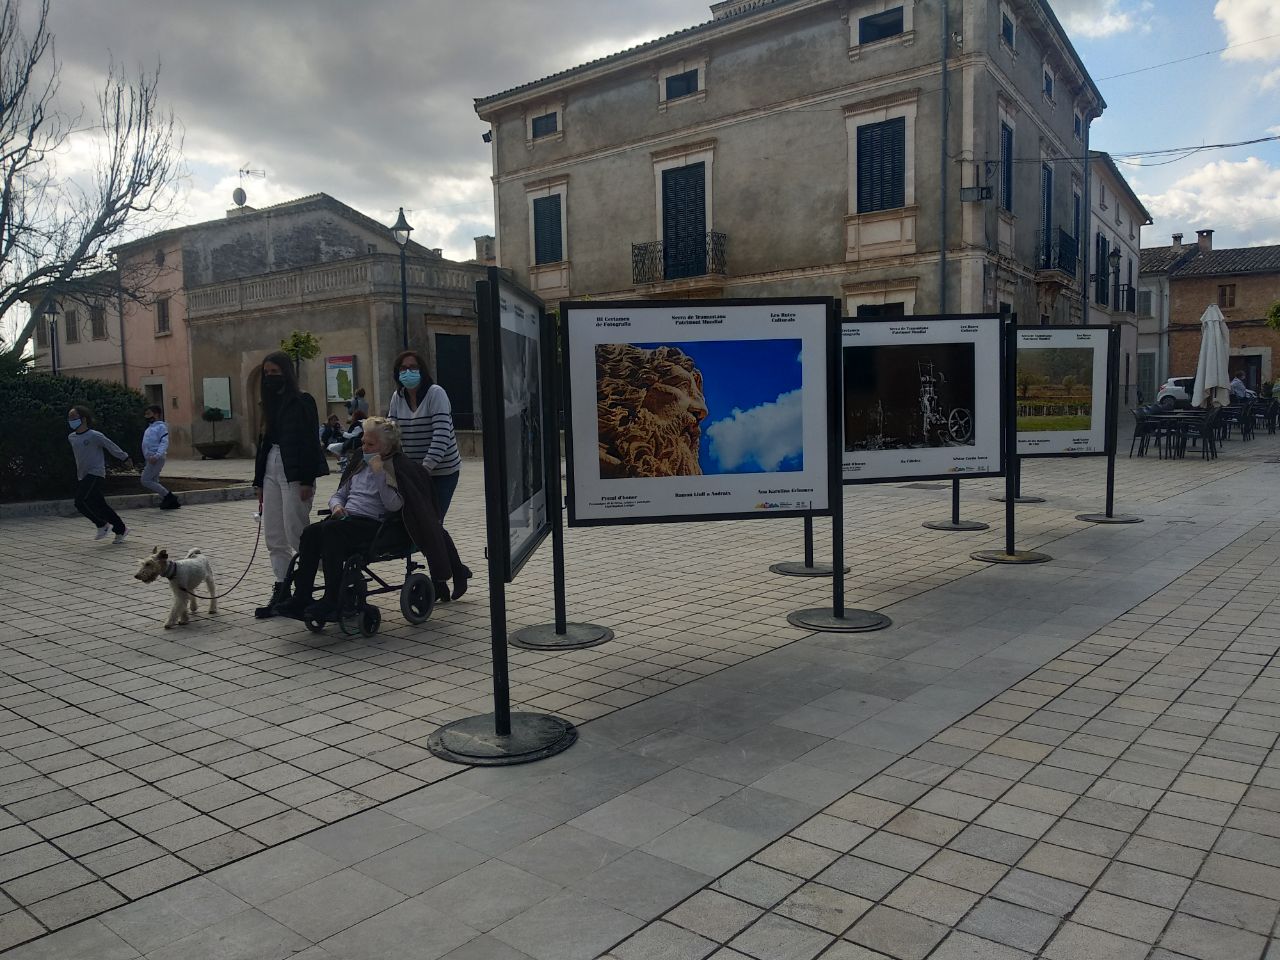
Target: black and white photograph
x,y
905,397
922,398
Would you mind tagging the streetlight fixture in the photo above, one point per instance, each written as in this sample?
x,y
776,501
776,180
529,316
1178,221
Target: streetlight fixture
x,y
401,230
51,312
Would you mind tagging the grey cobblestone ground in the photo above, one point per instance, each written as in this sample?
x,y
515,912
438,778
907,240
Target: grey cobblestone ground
x,y
133,758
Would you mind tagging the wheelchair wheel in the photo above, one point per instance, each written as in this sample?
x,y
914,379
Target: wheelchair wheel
x,y
351,598
315,626
370,620
417,598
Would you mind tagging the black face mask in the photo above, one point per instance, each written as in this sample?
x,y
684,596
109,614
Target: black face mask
x,y
273,382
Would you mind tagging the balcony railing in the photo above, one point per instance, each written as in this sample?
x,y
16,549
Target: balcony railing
x,y
698,256
1056,250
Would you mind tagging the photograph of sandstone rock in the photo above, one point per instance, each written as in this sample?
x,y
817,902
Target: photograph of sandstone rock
x,y
699,408
908,396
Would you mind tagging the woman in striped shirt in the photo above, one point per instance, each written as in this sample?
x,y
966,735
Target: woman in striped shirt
x,y
421,409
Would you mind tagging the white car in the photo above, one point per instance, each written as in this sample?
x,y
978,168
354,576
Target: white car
x,y
1176,392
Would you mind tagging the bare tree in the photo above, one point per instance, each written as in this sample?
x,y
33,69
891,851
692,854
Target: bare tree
x,y
55,231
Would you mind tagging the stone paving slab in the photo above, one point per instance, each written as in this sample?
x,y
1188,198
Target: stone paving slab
x,y
134,758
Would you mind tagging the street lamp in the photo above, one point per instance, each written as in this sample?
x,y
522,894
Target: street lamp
x,y
51,312
401,230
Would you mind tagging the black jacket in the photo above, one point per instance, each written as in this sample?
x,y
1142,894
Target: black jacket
x,y
298,434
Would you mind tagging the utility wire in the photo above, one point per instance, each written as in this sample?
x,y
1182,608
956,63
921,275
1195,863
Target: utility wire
x,y
1194,56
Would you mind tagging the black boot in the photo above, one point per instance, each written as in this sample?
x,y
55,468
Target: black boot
x,y
460,582
170,502
279,594
442,590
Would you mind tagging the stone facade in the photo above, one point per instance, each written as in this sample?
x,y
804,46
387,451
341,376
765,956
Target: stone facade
x,y
87,330
773,99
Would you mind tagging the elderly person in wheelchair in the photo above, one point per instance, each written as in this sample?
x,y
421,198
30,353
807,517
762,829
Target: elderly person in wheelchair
x,y
382,482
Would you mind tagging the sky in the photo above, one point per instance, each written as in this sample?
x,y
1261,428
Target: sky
x,y
371,101
754,420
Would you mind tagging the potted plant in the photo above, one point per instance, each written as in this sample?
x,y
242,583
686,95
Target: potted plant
x,y
215,449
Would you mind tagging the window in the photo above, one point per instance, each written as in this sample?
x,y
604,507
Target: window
x,y
1006,167
544,125
1227,296
42,333
98,322
871,310
1101,266
548,242
1046,215
1007,28
162,316
880,26
71,325
682,84
1077,126
1102,196
1048,84
1144,304
882,165
1075,214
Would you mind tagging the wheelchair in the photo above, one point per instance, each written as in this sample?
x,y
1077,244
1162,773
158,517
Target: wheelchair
x,y
356,615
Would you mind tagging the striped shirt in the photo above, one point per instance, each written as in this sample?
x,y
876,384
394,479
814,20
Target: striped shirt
x,y
426,434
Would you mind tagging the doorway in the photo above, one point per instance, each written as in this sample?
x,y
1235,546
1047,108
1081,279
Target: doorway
x,y
1252,367
453,373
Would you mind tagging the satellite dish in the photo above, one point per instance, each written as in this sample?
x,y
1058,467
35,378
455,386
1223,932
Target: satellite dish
x,y
239,196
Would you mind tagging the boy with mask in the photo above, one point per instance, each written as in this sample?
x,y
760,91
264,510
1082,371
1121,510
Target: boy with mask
x,y
88,446
155,447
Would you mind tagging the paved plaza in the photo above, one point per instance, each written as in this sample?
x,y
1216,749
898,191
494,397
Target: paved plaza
x,y
1071,760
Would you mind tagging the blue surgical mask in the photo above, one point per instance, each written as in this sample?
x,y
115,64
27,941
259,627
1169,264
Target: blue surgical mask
x,y
370,457
75,424
410,378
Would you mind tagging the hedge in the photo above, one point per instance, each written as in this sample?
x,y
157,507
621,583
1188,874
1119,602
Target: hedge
x,y
35,458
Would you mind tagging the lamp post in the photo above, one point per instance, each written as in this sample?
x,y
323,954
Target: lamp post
x,y
401,230
51,311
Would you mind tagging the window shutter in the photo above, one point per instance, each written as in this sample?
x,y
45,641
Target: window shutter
x,y
684,221
1006,167
546,230
1046,213
882,163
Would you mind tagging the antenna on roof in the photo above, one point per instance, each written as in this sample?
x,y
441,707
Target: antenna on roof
x,y
238,195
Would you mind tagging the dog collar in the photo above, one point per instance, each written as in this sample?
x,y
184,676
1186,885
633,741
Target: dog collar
x,y
170,569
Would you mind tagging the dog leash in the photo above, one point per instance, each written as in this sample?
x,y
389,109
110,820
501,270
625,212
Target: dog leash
x,y
257,540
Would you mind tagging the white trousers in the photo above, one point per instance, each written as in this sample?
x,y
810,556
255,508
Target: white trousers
x,y
151,477
284,515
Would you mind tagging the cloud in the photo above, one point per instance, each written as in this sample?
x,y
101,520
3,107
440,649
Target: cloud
x,y
1269,80
1098,18
764,436
1239,200
1245,22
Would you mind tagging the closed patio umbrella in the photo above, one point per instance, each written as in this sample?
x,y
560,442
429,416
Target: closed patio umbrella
x,y
1213,380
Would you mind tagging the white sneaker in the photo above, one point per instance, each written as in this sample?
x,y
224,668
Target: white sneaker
x,y
120,536
103,532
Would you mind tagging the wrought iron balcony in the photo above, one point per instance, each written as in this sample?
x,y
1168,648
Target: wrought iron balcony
x,y
1056,250
697,256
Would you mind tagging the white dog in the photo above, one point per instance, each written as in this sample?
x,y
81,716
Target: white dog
x,y
183,576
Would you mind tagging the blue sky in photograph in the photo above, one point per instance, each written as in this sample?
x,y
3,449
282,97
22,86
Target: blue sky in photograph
x,y
752,392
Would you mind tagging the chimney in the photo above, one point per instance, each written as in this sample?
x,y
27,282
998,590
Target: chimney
x,y
1205,239
485,250
1177,243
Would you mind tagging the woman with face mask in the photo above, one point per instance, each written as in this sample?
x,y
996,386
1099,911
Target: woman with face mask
x,y
88,447
421,409
289,460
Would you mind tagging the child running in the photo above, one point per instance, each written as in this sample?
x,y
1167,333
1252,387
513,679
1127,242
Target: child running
x,y
155,448
88,445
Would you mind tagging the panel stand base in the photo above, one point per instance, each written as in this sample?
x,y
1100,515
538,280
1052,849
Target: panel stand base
x,y
961,525
1018,556
793,569
534,736
1103,518
1020,499
576,636
824,619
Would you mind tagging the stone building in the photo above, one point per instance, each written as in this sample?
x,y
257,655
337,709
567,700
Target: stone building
x,y
1183,279
220,295
801,147
84,332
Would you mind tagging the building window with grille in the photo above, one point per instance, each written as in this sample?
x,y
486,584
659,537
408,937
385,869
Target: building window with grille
x,y
1227,296
42,332
162,316
1049,83
882,165
1006,167
1008,27
1144,303
544,125
71,326
98,322
682,84
548,229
